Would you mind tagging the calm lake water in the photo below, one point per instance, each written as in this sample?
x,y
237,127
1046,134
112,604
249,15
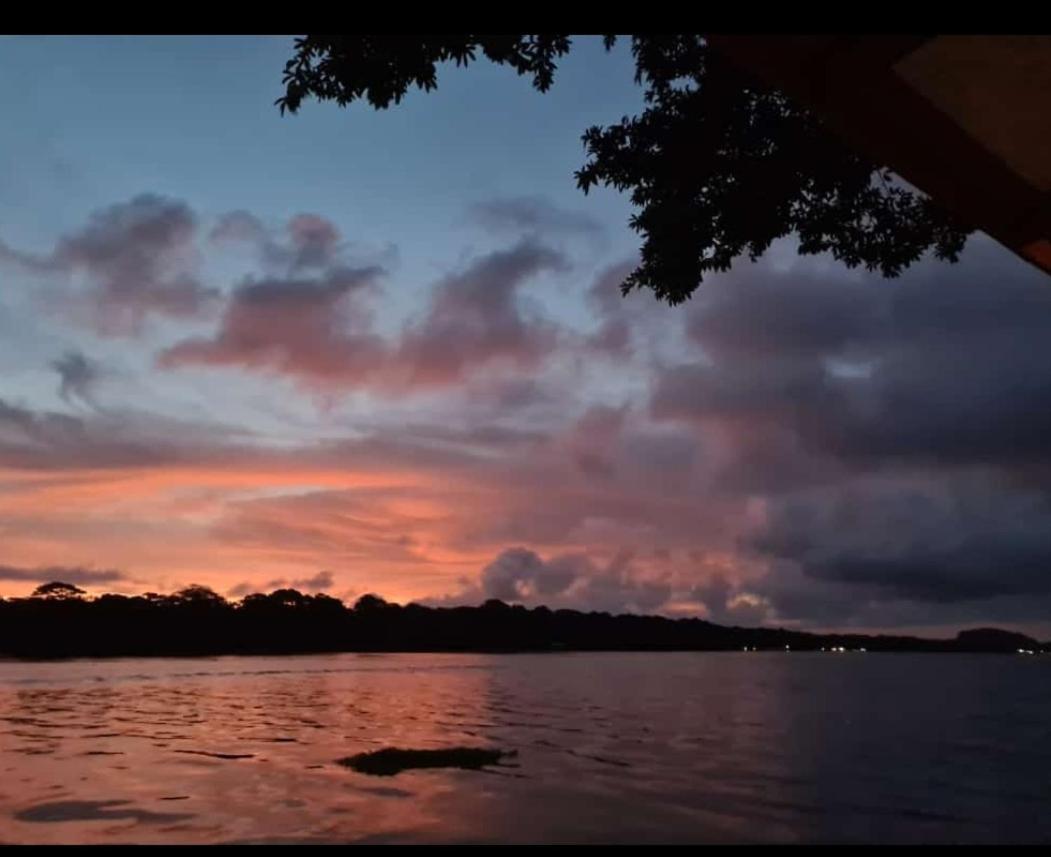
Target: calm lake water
x,y
707,747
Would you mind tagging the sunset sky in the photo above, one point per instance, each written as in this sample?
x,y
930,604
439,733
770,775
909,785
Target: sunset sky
x,y
360,351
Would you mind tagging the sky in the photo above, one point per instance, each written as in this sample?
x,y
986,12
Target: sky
x,y
385,351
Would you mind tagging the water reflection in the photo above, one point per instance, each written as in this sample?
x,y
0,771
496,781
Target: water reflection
x,y
611,748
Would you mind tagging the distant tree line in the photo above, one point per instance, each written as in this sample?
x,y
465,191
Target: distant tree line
x,y
59,620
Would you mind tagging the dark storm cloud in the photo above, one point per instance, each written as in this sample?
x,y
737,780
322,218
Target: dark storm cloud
x,y
962,541
754,313
947,366
746,391
725,605
900,431
792,597
961,376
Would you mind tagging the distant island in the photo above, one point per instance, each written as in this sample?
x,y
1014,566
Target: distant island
x,y
59,621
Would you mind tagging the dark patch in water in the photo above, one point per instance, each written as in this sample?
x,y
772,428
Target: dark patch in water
x,y
92,810
393,760
384,791
217,755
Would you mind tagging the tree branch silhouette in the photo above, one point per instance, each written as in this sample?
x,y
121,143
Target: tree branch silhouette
x,y
718,165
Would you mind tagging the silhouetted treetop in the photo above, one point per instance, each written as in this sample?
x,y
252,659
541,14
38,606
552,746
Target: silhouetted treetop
x,y
288,598
198,595
718,164
382,68
58,590
370,603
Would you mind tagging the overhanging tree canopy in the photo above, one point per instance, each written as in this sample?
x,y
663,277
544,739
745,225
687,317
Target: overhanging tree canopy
x,y
718,164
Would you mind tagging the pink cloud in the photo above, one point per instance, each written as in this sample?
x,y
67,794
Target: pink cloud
x,y
318,332
314,330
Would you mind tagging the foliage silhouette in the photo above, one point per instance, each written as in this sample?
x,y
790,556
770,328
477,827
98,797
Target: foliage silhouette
x,y
58,589
198,621
718,164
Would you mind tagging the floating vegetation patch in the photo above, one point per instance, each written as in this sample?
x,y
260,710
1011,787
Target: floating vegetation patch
x,y
393,760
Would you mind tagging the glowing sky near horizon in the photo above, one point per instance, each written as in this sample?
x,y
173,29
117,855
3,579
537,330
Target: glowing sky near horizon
x,y
361,351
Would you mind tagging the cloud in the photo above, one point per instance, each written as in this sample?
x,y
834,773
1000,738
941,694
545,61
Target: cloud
x,y
316,331
593,441
757,312
619,588
319,582
137,258
518,574
869,373
309,242
896,432
570,581
66,574
851,450
77,376
604,296
475,320
532,214
506,395
728,603
48,438
119,439
944,542
401,509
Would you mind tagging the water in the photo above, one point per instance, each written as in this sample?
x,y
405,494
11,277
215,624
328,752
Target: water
x,y
705,747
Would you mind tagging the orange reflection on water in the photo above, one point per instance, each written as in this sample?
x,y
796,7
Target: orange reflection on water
x,y
612,747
